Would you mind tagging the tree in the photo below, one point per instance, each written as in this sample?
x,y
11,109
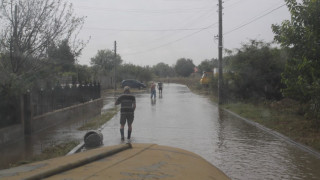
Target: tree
x,y
208,65
131,71
62,56
28,28
300,36
184,67
84,73
255,71
105,60
31,26
163,70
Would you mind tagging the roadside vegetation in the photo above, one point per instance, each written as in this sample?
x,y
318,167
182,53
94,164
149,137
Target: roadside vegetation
x,y
49,153
98,121
282,116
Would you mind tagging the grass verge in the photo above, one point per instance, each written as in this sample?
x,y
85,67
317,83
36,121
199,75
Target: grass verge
x,y
98,121
285,121
49,153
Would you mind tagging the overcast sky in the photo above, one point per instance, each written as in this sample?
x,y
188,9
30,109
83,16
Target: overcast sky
x,y
152,31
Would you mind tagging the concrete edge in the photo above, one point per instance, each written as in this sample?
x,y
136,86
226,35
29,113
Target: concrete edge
x,y
76,149
67,108
276,134
81,162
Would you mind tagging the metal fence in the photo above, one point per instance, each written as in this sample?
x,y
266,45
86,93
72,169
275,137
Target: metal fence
x,y
47,100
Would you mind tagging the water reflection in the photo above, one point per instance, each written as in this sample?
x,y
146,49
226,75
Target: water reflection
x,y
153,101
192,122
220,130
34,144
262,155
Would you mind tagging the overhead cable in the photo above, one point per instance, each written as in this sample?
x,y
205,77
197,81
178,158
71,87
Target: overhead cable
x,y
170,11
169,43
145,30
255,19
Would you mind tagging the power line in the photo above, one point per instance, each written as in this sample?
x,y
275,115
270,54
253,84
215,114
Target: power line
x,y
193,21
144,30
235,3
169,43
226,1
255,19
184,29
174,32
148,11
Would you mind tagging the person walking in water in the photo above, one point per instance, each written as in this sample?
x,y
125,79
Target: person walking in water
x,y
160,85
128,106
153,90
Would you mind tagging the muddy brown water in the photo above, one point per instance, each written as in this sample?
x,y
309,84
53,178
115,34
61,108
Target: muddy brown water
x,y
182,119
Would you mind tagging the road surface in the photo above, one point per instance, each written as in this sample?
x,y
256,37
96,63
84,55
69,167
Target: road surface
x,y
182,119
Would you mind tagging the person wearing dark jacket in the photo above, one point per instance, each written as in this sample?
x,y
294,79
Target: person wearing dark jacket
x,y
128,106
160,85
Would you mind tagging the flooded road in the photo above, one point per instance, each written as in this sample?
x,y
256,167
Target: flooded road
x,y
182,119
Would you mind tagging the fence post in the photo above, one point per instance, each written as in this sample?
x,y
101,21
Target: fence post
x,y
21,111
27,113
41,102
91,91
67,96
99,90
95,90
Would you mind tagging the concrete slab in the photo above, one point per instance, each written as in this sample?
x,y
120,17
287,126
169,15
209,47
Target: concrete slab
x,y
137,161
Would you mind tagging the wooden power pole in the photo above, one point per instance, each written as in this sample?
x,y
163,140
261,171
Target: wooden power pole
x,y
115,65
220,81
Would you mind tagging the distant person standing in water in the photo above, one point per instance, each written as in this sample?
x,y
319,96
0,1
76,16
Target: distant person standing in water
x,y
153,90
128,105
160,86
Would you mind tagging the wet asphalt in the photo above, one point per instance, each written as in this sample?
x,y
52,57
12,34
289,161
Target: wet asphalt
x,y
185,120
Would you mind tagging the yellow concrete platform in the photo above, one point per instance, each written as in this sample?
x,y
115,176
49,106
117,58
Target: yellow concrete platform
x,y
126,161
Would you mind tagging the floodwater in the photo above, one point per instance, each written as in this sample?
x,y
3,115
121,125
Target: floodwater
x,y
32,145
182,119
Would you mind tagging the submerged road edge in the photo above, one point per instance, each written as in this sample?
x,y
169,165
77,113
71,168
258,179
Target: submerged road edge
x,y
276,134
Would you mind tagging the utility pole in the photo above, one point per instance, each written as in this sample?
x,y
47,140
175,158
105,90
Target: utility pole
x,y
220,81
115,65
14,52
